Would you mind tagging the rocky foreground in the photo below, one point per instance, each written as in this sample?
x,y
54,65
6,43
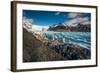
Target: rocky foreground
x,y
70,51
36,48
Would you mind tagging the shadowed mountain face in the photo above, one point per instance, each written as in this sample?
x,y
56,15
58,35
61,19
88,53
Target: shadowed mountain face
x,y
35,50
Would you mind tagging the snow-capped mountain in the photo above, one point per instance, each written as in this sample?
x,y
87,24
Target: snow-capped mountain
x,y
72,28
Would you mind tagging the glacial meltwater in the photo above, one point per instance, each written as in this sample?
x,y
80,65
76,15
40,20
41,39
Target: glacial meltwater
x,y
80,38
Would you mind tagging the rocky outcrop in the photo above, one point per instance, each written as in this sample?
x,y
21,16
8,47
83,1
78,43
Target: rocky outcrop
x,y
40,37
70,51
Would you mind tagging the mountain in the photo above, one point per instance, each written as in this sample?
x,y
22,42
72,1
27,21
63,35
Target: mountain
x,y
78,28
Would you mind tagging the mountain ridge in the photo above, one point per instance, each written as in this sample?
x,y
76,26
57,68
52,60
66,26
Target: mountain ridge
x,y
78,28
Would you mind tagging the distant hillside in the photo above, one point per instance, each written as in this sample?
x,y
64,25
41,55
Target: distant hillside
x,y
78,28
35,50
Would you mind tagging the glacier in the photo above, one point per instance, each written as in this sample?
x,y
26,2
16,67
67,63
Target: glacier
x,y
79,38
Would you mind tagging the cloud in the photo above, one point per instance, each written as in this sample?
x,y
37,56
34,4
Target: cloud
x,y
39,28
28,24
57,13
86,22
77,20
75,14
27,20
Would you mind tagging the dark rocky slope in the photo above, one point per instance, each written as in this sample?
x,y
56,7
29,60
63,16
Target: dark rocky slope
x,y
35,50
70,51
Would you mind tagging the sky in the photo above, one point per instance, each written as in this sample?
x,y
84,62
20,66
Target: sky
x,y
49,18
